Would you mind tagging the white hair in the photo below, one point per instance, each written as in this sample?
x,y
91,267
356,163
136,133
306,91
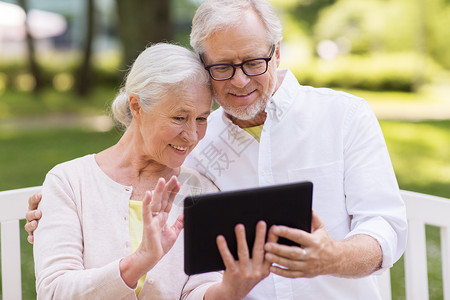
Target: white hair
x,y
159,69
215,15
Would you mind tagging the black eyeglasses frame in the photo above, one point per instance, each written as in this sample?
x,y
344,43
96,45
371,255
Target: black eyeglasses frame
x,y
234,66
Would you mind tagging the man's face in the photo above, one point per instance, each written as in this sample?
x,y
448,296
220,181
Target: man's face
x,y
242,96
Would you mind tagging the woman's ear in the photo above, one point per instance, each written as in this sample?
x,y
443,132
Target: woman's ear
x,y
135,106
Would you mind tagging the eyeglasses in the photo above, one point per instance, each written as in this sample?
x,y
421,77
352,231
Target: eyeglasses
x,y
251,67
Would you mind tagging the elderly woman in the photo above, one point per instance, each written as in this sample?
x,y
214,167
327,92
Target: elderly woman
x,y
102,234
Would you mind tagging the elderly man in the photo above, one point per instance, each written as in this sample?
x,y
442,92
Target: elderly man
x,y
272,130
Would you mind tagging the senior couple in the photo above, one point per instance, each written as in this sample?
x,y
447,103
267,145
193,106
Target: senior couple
x,y
110,223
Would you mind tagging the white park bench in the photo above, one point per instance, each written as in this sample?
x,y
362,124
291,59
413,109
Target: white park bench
x,y
421,209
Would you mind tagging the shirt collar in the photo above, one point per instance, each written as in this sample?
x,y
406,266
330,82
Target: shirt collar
x,y
282,99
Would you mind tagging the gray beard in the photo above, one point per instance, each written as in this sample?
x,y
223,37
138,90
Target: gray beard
x,y
245,113
249,112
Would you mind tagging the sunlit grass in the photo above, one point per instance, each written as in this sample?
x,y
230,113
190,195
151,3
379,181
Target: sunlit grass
x,y
420,154
25,157
49,101
424,96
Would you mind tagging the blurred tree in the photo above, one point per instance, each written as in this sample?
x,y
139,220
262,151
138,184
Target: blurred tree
x,y
142,22
181,14
421,26
436,34
32,62
367,25
305,12
84,76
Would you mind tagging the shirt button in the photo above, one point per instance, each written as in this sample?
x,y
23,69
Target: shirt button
x,y
127,244
127,189
150,281
124,218
263,172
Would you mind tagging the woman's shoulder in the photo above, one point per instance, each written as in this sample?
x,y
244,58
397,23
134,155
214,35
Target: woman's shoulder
x,y
195,182
71,166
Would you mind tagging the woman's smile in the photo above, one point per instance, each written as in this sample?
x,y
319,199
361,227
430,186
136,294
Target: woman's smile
x,y
179,148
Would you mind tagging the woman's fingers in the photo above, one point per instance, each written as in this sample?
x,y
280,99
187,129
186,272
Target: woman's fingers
x,y
147,208
178,225
171,189
157,195
164,194
160,199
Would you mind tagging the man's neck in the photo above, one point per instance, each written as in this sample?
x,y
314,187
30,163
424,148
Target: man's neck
x,y
259,119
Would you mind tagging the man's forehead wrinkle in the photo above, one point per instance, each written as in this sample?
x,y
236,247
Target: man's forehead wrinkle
x,y
237,55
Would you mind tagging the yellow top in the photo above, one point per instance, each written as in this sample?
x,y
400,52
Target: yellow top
x,y
136,227
255,131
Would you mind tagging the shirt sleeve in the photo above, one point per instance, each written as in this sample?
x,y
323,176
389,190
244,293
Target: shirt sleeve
x,y
58,252
372,194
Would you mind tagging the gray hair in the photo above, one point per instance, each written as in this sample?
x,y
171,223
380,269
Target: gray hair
x,y
159,69
215,15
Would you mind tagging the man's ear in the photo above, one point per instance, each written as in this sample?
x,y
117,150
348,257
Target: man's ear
x,y
135,106
278,54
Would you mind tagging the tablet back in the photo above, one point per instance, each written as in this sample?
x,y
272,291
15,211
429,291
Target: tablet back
x,y
209,215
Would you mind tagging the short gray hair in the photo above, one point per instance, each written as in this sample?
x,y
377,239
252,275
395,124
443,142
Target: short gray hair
x,y
159,69
215,15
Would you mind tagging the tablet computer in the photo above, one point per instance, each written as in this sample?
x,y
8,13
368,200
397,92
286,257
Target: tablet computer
x,y
209,215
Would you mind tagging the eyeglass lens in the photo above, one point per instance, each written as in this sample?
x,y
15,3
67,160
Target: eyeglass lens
x,y
252,68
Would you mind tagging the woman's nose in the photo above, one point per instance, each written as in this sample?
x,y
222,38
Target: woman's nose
x,y
190,133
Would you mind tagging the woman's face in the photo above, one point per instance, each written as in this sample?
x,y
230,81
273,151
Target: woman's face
x,y
175,124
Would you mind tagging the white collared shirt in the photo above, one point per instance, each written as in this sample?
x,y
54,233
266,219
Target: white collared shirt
x,y
332,139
